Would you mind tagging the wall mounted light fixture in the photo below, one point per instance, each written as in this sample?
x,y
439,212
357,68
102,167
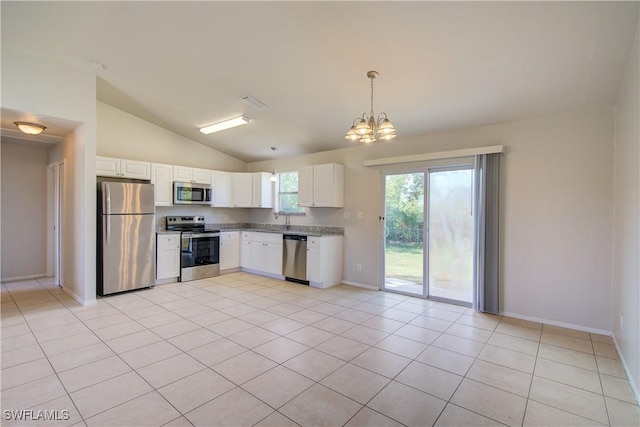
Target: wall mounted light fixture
x,y
30,128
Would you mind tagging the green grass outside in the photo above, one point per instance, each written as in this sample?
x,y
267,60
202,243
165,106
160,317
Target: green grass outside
x,y
404,262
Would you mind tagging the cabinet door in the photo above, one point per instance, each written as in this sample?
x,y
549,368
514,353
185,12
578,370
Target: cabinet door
x,y
314,259
258,256
202,176
162,180
314,265
107,166
221,183
182,174
262,190
245,250
242,184
305,186
273,254
135,169
229,250
168,256
328,185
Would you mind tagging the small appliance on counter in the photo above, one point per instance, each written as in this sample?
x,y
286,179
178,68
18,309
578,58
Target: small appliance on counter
x,y
200,248
126,237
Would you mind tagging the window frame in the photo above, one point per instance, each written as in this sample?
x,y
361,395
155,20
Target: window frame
x,y
278,194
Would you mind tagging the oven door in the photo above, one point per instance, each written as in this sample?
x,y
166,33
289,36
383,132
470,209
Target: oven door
x,y
200,256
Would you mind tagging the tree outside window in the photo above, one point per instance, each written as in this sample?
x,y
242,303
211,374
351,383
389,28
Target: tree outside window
x,y
288,193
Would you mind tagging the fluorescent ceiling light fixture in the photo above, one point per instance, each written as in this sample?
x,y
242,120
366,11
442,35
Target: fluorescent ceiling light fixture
x,y
216,127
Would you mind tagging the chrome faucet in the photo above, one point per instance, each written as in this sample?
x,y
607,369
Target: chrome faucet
x,y
286,218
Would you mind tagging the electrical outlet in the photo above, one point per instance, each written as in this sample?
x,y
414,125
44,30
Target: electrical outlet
x,y
621,321
359,267
360,214
346,214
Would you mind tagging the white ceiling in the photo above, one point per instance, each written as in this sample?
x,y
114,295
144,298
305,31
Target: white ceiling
x,y
443,65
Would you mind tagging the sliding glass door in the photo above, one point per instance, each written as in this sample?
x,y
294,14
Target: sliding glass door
x,y
404,261
451,236
428,226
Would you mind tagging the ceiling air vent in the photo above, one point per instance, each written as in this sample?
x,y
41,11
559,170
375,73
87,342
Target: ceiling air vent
x,y
253,102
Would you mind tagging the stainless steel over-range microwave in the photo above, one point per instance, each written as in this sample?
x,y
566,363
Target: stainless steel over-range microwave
x,y
188,193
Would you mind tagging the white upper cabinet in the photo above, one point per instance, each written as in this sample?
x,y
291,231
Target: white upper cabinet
x,y
305,186
194,175
221,188
242,188
321,186
262,192
162,180
122,168
201,176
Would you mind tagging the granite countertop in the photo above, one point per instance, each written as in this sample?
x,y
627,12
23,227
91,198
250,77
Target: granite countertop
x,y
302,230
161,230
275,228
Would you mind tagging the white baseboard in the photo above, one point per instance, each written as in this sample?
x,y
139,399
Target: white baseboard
x,y
554,323
20,278
80,300
634,386
360,285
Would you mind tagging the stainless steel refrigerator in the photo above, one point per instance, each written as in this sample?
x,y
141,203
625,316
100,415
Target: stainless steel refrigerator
x,y
126,237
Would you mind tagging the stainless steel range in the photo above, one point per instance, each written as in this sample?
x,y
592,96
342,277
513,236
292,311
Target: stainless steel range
x,y
200,248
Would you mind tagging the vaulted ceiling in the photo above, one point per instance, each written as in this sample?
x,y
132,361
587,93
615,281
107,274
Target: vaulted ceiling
x,y
442,65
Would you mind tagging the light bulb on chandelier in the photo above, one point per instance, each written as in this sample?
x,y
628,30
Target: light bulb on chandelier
x,y
365,128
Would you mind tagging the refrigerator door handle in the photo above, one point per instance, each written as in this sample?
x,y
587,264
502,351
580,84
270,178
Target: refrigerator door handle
x,y
108,227
108,188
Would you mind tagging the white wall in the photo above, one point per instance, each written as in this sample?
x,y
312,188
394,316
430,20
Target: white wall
x,y
123,135
50,88
626,238
556,211
24,210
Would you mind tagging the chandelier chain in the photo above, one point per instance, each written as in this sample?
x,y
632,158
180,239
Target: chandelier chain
x,y
371,112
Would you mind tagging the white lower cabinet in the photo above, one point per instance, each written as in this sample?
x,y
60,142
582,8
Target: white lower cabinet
x,y
245,249
168,256
324,261
264,253
229,250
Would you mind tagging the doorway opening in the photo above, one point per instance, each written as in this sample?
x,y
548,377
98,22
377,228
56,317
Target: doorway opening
x,y
56,177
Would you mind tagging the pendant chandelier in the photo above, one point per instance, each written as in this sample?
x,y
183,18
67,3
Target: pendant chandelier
x,y
366,128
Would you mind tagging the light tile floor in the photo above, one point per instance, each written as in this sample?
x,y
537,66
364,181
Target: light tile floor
x,y
246,350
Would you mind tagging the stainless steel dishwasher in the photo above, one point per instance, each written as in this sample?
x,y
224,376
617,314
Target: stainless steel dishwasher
x,y
294,258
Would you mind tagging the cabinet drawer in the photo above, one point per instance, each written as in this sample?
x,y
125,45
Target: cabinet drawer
x,y
258,236
314,242
229,236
